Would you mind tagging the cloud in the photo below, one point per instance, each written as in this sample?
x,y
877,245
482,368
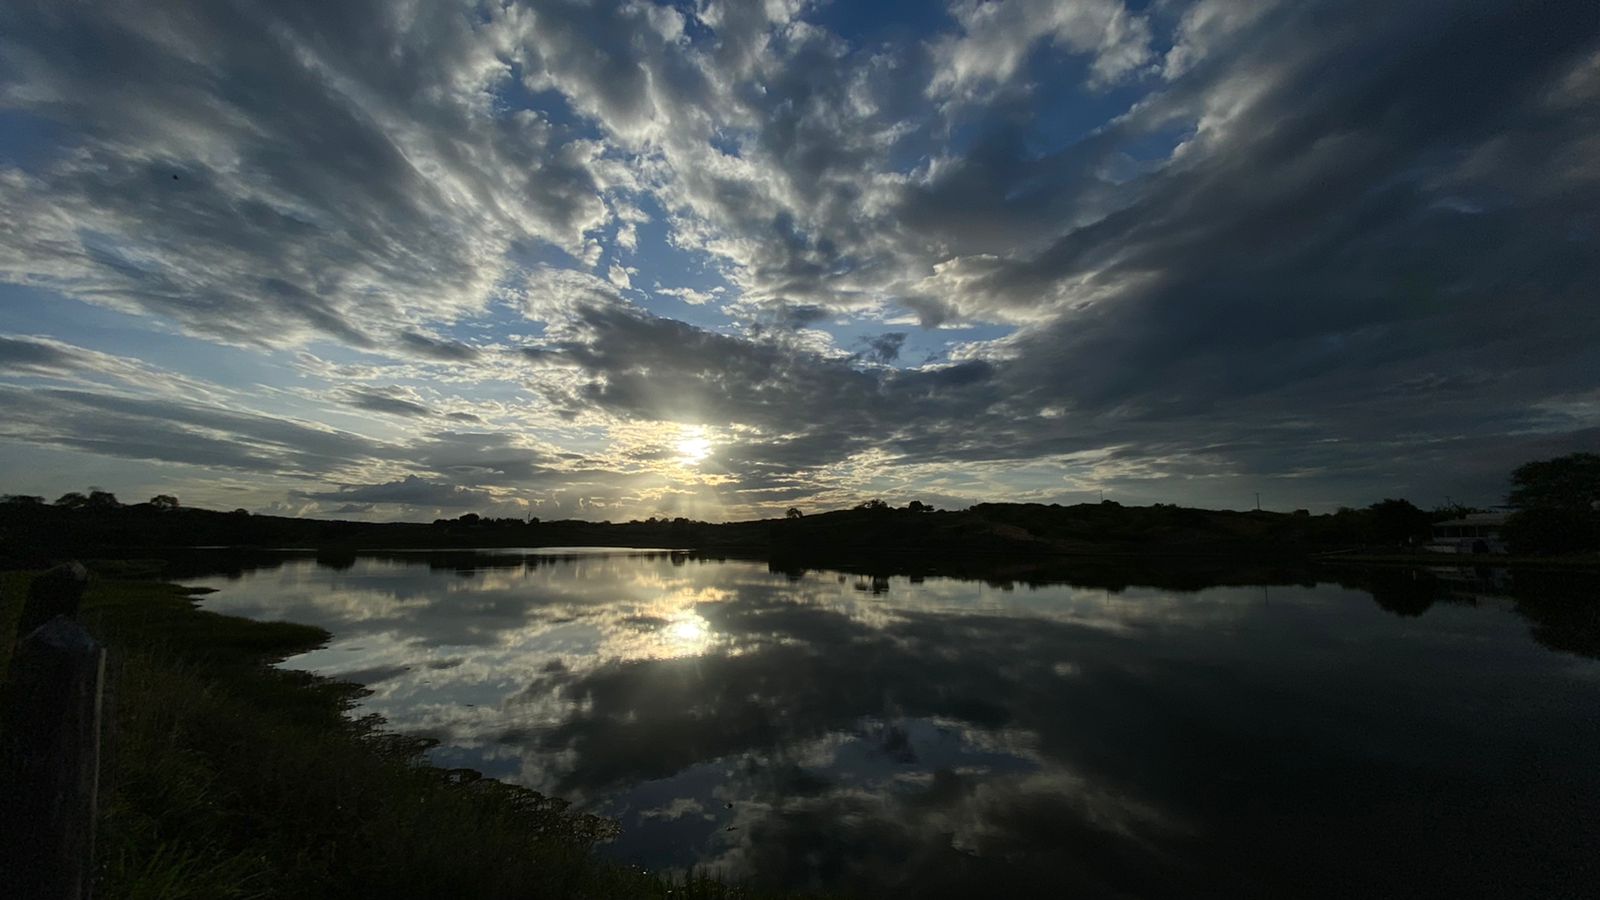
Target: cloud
x,y
265,174
154,428
352,509
627,236
687,295
385,403
885,348
24,356
1206,24
434,348
411,491
1327,244
800,408
997,35
1300,253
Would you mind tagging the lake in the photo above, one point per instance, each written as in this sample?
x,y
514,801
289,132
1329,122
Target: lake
x,y
1394,732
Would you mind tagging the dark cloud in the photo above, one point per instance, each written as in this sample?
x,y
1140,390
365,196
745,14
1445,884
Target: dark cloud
x,y
482,457
22,356
434,348
352,509
174,431
409,491
661,368
169,430
884,348
1347,250
385,403
799,316
817,408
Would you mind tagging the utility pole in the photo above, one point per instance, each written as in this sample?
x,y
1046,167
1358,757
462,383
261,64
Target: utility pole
x,y
1258,501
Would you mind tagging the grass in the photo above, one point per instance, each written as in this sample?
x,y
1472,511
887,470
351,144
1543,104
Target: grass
x,y
228,778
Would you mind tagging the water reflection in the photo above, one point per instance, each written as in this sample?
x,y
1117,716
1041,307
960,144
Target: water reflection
x,y
930,735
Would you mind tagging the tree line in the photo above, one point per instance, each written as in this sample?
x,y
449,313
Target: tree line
x,y
1555,507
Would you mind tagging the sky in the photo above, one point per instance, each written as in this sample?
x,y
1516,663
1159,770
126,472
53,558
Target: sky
x,y
399,260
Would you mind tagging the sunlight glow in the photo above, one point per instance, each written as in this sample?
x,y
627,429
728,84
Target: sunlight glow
x,y
687,634
693,446
689,631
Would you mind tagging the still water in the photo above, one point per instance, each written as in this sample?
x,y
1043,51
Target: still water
x,y
1398,734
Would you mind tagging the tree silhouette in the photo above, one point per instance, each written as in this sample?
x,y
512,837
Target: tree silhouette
x,y
99,499
1566,482
793,512
164,501
1552,529
1556,502
95,499
1398,522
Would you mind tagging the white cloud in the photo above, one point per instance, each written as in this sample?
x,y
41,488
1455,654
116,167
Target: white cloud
x,y
998,35
1204,26
688,295
627,236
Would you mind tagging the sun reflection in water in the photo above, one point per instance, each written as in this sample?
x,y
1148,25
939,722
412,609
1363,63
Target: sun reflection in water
x,y
688,631
686,634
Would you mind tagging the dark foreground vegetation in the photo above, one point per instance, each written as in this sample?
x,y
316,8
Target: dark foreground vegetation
x,y
226,778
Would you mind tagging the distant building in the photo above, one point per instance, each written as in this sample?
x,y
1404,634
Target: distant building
x,y
1471,533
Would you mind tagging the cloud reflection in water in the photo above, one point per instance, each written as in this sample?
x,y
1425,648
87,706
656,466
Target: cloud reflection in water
x,y
936,735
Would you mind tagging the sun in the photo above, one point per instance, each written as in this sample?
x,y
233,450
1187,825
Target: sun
x,y
693,447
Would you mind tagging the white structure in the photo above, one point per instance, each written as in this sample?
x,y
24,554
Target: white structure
x,y
1472,533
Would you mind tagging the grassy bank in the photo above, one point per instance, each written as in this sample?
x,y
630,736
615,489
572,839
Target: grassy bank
x,y
227,778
